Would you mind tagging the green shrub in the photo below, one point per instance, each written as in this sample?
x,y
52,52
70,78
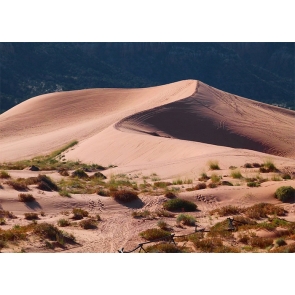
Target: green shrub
x,y
139,214
26,197
253,184
284,249
178,204
63,222
262,210
261,242
45,183
186,219
88,223
163,248
285,193
226,183
236,174
226,210
80,173
64,193
103,192
31,216
98,175
248,165
154,234
201,185
164,213
79,213
162,184
4,174
124,196
162,224
281,242
215,178
213,165
268,166
286,176
204,177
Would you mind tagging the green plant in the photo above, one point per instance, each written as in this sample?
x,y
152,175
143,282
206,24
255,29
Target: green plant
x,y
45,183
26,197
2,221
177,182
285,193
103,192
268,166
124,196
162,224
178,204
213,165
88,223
286,176
248,165
262,210
162,184
64,193
154,234
140,214
163,248
253,184
164,213
79,213
276,178
208,244
281,242
260,242
80,173
185,219
215,178
204,177
63,222
170,195
4,174
31,216
236,174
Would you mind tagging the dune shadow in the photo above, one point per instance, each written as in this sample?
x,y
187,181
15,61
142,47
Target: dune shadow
x,y
33,205
136,204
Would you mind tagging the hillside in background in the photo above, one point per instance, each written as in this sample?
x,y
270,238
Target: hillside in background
x,y
260,71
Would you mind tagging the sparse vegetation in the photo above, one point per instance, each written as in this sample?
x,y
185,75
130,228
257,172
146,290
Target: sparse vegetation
x,y
162,224
79,213
18,184
124,196
285,193
141,214
163,248
4,174
213,165
6,214
236,174
63,222
88,223
268,166
161,184
226,210
45,183
80,173
26,197
164,213
170,195
178,204
154,234
186,219
204,177
31,216
253,184
215,178
261,242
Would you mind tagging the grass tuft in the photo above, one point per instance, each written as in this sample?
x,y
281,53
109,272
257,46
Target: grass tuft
x,y
178,204
26,197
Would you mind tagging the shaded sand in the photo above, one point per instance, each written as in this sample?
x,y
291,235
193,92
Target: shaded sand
x,y
171,130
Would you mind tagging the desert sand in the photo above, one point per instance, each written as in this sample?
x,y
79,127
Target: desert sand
x,y
167,132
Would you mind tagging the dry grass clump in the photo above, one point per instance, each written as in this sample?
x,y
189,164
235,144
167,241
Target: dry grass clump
x,y
23,197
284,249
262,210
141,214
178,204
45,183
4,174
31,216
103,192
221,229
236,174
213,165
80,173
226,210
261,242
203,177
6,214
154,234
63,222
215,178
79,213
164,213
208,245
162,184
124,196
18,184
162,225
186,219
15,234
201,185
268,166
164,248
88,223
64,193
253,184
285,193
63,171
98,175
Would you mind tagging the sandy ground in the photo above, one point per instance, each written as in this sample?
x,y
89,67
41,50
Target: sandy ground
x,y
171,130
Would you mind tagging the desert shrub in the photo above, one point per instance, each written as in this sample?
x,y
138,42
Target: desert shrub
x,y
286,176
220,229
204,177
18,184
285,193
236,174
2,221
224,182
226,210
103,192
208,245
164,213
63,222
98,175
124,196
163,248
31,216
63,171
268,166
215,178
88,223
170,195
177,182
154,234
186,219
97,217
80,173
244,238
262,210
212,185
284,249
276,178
256,165
281,242
213,165
26,197
253,184
4,174
226,249
140,214
261,242
45,183
7,214
64,193
162,184
201,185
178,204
162,224
247,165
42,213
79,213
232,167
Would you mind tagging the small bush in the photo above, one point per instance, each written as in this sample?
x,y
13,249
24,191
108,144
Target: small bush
x,y
18,184
178,204
45,183
213,165
226,183
26,197
80,173
284,249
208,245
201,185
140,214
79,213
253,184
88,223
236,174
215,178
63,222
286,176
4,174
31,216
281,242
64,193
97,217
164,213
162,184
256,165
262,210
154,234
162,225
212,185
261,242
2,221
268,166
6,214
170,195
98,175
124,196
186,219
63,172
248,165
204,177
226,210
103,192
163,248
285,193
